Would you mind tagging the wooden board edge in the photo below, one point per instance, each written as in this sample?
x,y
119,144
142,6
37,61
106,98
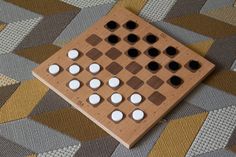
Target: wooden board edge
x,y
127,145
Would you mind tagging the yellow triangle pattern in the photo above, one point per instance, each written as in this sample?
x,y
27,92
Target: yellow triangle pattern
x,y
178,136
201,47
133,5
22,101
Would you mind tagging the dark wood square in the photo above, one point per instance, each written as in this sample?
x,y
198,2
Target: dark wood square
x,y
156,98
93,40
133,67
134,82
155,82
114,68
113,53
94,54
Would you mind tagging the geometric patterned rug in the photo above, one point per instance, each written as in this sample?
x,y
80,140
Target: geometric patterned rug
x,y
34,121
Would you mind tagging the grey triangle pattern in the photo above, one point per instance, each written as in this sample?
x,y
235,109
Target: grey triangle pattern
x,y
190,7
102,147
14,33
86,3
35,136
8,148
79,24
156,10
6,92
215,54
47,29
16,67
218,153
183,35
182,110
50,102
215,132
143,147
11,13
210,98
232,139
62,152
233,66
214,4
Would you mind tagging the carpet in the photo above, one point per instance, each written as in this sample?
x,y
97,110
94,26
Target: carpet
x,y
34,121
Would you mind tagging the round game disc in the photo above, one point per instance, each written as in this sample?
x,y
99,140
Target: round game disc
x,y
114,82
117,116
94,99
136,98
95,83
138,115
74,69
73,54
116,98
74,84
94,68
54,69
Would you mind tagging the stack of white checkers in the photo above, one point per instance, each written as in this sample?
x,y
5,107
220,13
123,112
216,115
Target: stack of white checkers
x,y
95,99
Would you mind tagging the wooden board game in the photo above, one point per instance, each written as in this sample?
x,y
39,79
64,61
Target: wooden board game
x,y
124,74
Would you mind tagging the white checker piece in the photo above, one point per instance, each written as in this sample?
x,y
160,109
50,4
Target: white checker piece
x,y
74,84
114,82
95,83
54,69
136,98
116,98
138,115
117,116
94,68
74,69
94,99
73,54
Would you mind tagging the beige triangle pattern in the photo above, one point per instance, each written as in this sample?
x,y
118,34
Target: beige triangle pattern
x,y
6,81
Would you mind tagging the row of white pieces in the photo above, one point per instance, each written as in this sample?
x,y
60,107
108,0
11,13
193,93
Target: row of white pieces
x,y
94,83
137,115
94,99
74,69
115,98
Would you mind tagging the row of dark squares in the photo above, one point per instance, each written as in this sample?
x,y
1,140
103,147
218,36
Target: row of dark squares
x,y
154,82
132,52
153,66
136,82
114,39
134,67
